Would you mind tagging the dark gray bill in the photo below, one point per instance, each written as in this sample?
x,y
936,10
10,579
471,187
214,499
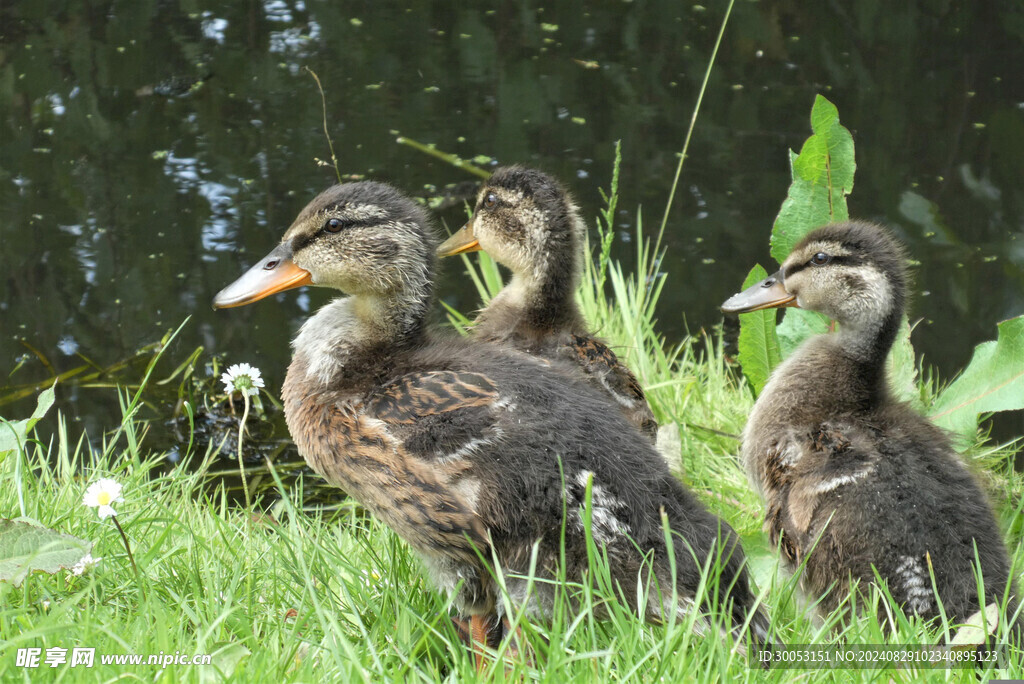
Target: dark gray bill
x,y
770,293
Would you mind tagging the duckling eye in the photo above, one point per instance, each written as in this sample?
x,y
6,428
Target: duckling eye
x,y
490,201
820,259
334,225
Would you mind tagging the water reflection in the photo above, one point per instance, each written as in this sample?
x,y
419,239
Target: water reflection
x,y
152,151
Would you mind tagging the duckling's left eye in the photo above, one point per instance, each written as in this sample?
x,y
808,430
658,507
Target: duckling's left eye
x,y
491,200
334,225
820,259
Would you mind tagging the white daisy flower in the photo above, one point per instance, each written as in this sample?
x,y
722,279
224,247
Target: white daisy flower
x,y
87,562
242,377
102,494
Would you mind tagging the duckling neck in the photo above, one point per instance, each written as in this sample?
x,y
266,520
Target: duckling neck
x,y
546,300
348,331
843,371
867,342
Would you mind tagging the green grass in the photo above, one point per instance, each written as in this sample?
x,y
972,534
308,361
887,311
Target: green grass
x,y
317,595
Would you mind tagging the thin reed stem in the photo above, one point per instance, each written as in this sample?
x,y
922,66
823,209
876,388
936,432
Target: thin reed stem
x,y
127,546
689,134
323,105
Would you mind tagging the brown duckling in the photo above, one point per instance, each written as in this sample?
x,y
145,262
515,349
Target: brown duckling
x,y
467,450
528,222
854,480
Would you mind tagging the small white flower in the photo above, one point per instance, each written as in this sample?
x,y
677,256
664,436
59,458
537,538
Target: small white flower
x,y
242,377
87,562
102,494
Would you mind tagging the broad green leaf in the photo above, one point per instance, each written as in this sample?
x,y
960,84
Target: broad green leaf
x,y
993,381
822,178
797,325
902,367
758,345
14,433
27,546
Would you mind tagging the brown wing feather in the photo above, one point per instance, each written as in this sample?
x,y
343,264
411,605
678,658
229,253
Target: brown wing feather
x,y
798,481
373,450
412,397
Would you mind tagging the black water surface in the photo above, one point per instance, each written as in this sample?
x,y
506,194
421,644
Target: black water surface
x,y
151,150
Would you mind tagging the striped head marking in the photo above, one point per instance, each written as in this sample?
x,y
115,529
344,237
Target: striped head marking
x,y
362,238
852,272
527,222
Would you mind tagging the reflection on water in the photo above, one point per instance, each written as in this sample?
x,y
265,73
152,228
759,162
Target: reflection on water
x,y
151,152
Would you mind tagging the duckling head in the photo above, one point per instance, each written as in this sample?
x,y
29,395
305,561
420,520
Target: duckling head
x,y
852,272
526,221
365,239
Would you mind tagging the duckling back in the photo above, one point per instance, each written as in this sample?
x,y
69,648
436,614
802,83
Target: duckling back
x,y
520,455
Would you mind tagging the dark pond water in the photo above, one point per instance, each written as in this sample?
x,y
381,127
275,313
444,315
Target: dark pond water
x,y
151,150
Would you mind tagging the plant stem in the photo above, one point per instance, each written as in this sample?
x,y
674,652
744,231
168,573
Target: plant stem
x,y
241,463
127,547
22,453
327,134
689,131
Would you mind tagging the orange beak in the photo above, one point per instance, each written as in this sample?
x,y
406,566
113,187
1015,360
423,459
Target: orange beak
x,y
274,273
461,241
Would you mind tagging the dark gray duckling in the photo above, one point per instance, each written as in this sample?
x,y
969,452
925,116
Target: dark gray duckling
x,y
529,223
835,456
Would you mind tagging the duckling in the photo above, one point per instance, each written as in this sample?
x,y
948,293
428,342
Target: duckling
x,y
528,222
470,451
854,480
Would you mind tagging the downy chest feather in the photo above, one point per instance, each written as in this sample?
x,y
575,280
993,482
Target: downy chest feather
x,y
814,385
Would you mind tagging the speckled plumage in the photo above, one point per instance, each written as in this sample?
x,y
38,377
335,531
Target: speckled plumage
x,y
534,228
836,457
467,449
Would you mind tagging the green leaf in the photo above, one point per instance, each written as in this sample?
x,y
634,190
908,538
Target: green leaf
x,y
27,546
14,433
758,344
797,325
822,178
993,381
485,274
901,367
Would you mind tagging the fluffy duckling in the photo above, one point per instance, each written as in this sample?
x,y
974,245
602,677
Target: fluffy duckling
x,y
528,222
467,450
835,456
